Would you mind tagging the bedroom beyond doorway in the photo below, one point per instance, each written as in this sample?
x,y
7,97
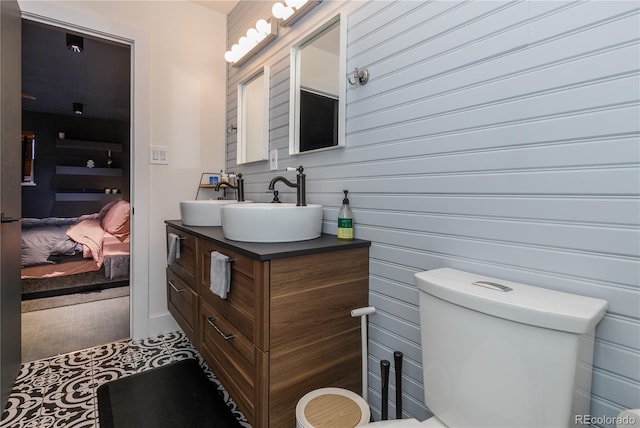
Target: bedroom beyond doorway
x,y
77,105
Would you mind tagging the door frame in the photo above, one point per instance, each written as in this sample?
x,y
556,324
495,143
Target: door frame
x,y
58,15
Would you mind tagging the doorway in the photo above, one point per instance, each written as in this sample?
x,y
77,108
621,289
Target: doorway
x,y
77,106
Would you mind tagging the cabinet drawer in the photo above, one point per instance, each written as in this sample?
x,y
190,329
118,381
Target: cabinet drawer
x,y
185,266
235,360
183,304
245,305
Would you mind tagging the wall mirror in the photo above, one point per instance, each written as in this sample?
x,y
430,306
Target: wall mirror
x,y
318,88
253,117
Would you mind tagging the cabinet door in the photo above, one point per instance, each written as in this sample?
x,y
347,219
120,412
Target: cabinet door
x,y
185,265
240,366
315,342
247,300
183,304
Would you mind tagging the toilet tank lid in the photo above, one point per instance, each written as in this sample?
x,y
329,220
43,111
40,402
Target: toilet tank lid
x,y
526,304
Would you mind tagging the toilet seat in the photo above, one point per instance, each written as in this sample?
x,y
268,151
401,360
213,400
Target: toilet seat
x,y
332,407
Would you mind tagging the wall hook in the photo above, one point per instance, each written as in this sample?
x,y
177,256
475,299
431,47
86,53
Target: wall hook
x,y
360,77
231,128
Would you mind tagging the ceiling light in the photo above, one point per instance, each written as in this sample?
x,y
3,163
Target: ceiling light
x,y
78,108
75,43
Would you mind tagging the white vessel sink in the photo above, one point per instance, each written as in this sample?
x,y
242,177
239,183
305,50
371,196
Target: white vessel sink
x,y
265,222
202,212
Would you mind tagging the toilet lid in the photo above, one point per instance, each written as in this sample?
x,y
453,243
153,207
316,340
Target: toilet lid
x,y
333,410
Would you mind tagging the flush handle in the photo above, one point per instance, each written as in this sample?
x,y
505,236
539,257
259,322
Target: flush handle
x,y
493,286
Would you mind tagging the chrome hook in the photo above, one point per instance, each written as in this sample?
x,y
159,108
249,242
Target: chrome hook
x,y
360,77
231,128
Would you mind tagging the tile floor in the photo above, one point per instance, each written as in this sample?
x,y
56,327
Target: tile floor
x,y
61,391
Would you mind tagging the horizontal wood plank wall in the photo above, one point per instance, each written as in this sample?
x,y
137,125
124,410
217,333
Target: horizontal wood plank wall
x,y
500,138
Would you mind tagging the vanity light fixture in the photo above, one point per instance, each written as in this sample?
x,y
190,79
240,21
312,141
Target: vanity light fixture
x,y
248,45
292,10
78,108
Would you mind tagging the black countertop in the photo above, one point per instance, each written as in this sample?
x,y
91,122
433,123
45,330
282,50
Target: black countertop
x,y
269,251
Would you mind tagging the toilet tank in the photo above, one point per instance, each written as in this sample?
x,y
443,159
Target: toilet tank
x,y
501,354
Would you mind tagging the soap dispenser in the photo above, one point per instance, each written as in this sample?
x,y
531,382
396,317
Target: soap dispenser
x,y
345,219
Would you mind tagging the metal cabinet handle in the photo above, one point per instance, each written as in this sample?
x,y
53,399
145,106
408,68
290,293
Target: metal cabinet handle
x,y
173,285
212,322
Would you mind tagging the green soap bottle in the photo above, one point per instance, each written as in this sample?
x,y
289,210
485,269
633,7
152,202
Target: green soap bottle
x,y
345,219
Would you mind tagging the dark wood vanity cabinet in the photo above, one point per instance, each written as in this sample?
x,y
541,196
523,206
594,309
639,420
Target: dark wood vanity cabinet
x,y
285,327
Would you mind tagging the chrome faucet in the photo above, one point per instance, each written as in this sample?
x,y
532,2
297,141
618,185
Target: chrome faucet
x,y
239,186
299,185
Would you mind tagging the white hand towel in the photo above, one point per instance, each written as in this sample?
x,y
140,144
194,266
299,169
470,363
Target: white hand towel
x,y
174,248
220,274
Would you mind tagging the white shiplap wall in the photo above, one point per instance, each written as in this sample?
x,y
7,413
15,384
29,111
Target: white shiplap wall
x,y
500,138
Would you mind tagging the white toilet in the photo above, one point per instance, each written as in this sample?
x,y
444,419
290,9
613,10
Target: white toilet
x,y
499,354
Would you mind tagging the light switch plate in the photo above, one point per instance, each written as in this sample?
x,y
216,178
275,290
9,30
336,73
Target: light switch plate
x,y
273,159
159,155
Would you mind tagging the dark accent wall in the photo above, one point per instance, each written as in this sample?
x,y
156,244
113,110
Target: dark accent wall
x,y
40,200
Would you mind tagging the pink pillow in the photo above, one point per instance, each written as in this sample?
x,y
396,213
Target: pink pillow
x,y
116,220
104,210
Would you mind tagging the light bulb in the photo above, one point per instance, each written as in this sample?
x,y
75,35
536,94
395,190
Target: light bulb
x,y
236,51
280,11
244,43
297,4
252,34
263,26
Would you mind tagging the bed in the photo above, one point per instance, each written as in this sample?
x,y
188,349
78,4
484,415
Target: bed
x,y
70,255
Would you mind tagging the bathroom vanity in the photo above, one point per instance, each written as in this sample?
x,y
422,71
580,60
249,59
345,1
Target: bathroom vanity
x,y
285,327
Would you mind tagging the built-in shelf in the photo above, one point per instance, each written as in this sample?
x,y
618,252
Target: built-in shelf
x,y
88,145
74,182
83,170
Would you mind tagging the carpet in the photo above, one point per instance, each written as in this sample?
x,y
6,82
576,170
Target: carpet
x,y
73,299
178,395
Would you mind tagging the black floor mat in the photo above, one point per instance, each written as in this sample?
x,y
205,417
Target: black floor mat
x,y
175,396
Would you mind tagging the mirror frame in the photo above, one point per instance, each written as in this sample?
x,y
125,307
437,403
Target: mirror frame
x,y
294,87
241,139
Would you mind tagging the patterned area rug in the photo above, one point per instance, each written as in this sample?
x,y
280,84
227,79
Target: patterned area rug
x,y
61,391
73,299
